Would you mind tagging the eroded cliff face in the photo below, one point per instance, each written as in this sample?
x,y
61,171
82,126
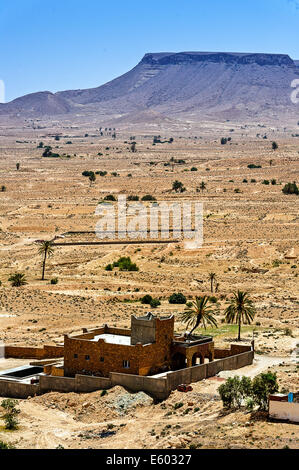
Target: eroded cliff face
x,y
217,57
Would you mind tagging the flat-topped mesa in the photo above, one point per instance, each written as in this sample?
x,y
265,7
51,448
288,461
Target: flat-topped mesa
x,y
231,58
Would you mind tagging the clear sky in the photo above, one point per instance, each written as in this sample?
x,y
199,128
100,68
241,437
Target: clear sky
x,y
68,44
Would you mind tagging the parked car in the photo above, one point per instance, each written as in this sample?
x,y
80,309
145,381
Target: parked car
x,y
184,388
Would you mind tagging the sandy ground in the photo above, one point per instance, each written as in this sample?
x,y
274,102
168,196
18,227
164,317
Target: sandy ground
x,y
250,242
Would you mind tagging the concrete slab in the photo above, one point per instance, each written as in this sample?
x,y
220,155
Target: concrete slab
x,y
113,339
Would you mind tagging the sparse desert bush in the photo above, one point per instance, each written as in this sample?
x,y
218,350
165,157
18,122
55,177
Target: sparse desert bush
x,y
11,412
154,303
178,186
146,299
252,165
290,188
124,263
54,280
4,445
148,197
177,298
109,197
17,279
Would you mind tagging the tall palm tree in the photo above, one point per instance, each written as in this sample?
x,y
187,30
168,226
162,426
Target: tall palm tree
x,y
212,277
200,312
17,279
240,310
46,250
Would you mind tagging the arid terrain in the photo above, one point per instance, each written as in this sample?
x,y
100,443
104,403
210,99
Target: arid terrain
x,y
251,233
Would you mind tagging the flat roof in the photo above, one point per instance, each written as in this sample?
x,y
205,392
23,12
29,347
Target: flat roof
x,y
113,339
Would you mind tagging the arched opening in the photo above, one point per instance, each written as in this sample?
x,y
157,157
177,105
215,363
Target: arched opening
x,y
178,361
197,359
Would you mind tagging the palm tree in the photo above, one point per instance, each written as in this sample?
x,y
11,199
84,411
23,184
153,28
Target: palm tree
x,y
240,310
92,178
203,186
17,279
46,250
212,277
199,312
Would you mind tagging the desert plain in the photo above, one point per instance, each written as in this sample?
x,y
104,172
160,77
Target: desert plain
x,y
250,242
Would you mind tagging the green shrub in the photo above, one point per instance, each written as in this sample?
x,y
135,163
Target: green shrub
x,y
124,263
290,188
87,173
234,391
11,412
4,445
177,298
154,303
54,280
252,165
262,386
178,405
148,197
146,299
109,197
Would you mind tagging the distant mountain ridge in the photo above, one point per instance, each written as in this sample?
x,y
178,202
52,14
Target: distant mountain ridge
x,y
183,85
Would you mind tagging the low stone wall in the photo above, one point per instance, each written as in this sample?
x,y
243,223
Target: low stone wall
x,y
157,387
80,384
13,389
210,369
220,353
47,352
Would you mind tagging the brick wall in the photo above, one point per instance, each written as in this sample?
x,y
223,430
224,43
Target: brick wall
x,y
47,352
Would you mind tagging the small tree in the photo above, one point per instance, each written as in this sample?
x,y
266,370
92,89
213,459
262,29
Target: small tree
x,y
202,186
92,177
274,145
262,386
17,279
177,186
18,166
11,412
234,391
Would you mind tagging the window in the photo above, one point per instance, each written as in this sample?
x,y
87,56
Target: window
x,y
101,359
87,358
76,356
126,364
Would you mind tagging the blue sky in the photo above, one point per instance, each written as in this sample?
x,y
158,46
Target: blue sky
x,y
67,44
